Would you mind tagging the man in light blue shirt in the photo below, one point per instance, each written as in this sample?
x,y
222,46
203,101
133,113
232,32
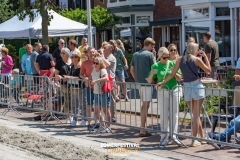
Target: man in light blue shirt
x,y
26,61
27,66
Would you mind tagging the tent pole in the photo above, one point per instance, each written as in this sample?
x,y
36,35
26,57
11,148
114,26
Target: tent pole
x,y
89,23
95,37
29,40
3,40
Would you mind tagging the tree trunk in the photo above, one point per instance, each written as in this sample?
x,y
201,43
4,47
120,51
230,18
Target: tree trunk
x,y
44,22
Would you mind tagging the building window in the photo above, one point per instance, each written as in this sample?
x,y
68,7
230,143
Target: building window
x,y
223,38
196,30
143,19
223,11
125,20
196,13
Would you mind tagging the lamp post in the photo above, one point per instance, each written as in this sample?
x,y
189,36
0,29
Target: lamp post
x,y
89,22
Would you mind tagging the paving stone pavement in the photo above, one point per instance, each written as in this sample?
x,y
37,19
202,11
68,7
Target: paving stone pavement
x,y
148,145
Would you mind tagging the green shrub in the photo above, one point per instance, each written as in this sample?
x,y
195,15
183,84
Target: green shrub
x,y
129,58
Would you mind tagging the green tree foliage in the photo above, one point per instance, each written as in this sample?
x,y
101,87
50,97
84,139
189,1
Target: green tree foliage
x,y
101,18
6,11
42,7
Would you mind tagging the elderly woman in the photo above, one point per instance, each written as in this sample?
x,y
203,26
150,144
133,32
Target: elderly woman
x,y
63,68
194,92
168,93
7,65
77,89
102,100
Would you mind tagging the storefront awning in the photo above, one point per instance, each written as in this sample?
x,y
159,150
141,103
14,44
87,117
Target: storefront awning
x,y
163,22
234,4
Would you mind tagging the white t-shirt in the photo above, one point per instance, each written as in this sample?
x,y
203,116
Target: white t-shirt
x,y
96,75
74,51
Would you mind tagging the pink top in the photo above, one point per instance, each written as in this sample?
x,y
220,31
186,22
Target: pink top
x,y
8,61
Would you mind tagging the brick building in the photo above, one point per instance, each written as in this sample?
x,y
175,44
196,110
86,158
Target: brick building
x,y
161,18
166,23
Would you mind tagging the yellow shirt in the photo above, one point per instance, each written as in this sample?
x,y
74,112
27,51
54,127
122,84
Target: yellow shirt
x,y
80,48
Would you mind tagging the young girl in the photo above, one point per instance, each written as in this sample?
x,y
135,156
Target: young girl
x,y
102,100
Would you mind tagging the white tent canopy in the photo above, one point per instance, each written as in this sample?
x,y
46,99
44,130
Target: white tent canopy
x,y
59,26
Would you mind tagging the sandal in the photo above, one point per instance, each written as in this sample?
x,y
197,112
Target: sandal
x,y
147,134
122,96
127,100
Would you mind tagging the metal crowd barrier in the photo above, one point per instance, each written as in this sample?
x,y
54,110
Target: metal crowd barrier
x,y
70,98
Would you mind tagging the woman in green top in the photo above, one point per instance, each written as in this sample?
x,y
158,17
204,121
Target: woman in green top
x,y
168,93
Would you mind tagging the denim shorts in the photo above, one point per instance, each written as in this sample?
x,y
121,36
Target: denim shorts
x,y
102,100
193,90
120,75
90,96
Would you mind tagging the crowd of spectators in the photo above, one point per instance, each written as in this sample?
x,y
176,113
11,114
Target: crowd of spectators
x,y
167,69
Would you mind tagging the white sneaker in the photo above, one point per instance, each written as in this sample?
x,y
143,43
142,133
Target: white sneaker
x,y
83,123
195,143
204,142
69,120
74,123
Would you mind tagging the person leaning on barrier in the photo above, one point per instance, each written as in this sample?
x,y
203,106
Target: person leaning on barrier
x,y
194,92
63,68
14,85
101,100
159,71
77,91
85,74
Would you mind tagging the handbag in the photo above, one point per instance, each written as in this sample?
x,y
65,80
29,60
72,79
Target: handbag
x,y
160,87
107,86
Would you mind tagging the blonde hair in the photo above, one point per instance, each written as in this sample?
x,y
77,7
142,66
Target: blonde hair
x,y
5,50
104,43
191,50
16,70
113,43
173,45
161,51
101,62
119,42
149,41
78,55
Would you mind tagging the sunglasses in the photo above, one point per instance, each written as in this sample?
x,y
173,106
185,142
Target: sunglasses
x,y
95,63
173,50
62,43
164,58
74,57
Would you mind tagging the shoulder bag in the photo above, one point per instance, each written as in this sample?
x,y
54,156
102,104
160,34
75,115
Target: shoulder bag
x,y
107,86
